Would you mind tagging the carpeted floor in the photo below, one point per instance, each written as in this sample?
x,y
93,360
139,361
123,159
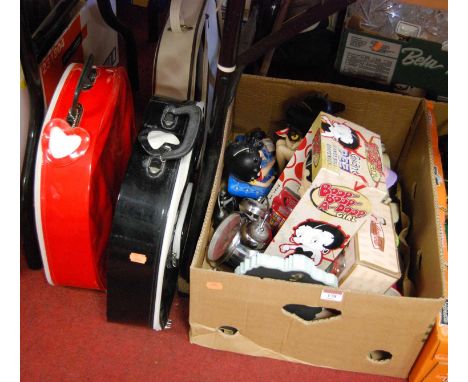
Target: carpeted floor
x,y
65,336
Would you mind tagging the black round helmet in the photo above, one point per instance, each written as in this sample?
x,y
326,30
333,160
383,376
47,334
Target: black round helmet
x,y
242,159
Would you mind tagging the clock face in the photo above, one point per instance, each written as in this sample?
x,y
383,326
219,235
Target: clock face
x,y
223,237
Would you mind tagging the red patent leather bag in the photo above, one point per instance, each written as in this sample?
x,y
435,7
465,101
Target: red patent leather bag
x,y
84,148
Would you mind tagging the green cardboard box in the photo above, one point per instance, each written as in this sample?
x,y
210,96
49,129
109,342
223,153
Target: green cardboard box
x,y
410,61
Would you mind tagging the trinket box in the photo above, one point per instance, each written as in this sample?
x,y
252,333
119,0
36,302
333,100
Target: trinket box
x,y
370,262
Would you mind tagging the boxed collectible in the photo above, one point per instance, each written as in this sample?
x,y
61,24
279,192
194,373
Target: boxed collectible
x,y
370,261
345,150
322,223
370,333
344,181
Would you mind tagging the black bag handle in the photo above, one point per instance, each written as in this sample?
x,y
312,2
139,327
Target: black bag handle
x,y
155,163
168,121
86,81
194,113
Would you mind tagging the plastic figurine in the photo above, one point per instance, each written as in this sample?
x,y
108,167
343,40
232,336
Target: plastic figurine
x,y
250,163
299,118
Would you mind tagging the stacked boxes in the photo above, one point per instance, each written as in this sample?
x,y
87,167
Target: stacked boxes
x,y
340,185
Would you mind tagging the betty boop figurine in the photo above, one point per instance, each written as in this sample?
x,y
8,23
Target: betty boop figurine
x,y
250,161
314,239
300,115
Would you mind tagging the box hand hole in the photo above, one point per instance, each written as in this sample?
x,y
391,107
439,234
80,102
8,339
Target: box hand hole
x,y
379,356
419,259
413,191
228,330
310,313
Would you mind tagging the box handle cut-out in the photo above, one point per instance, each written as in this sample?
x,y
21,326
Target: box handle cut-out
x,y
379,356
310,313
228,330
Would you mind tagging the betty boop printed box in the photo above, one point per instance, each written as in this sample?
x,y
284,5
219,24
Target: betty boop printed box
x,y
344,149
343,181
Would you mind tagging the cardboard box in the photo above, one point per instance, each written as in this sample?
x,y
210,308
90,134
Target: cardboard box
x,y
410,61
370,325
370,261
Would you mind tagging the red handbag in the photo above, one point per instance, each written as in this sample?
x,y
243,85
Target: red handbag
x,y
84,148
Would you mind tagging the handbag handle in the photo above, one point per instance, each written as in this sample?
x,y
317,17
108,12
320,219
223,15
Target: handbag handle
x,y
176,21
195,115
155,163
86,81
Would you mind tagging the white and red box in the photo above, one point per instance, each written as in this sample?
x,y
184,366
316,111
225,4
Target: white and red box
x,y
339,186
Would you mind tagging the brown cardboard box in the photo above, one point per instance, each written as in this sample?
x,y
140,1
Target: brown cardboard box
x,y
370,326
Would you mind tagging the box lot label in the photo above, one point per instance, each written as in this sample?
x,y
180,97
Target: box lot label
x,y
331,295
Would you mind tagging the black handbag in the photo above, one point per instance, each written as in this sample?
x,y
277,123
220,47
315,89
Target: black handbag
x,y
150,221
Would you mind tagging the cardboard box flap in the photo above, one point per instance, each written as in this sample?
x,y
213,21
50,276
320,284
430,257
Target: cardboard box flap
x,y
415,167
441,113
215,339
